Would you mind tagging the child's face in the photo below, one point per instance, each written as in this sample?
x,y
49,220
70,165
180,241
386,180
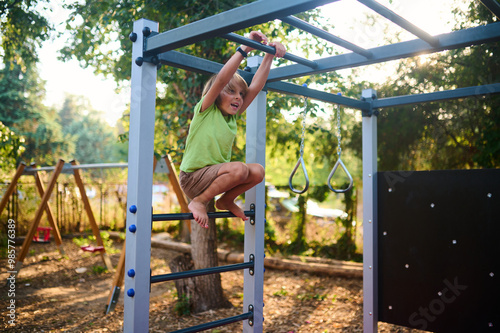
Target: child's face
x,y
231,99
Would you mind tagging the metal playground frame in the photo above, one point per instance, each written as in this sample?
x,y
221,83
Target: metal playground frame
x,y
152,49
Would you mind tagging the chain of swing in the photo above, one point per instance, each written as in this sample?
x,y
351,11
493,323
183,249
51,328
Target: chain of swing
x,y
300,161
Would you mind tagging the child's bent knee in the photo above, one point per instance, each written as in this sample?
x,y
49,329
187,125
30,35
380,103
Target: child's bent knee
x,y
240,171
258,172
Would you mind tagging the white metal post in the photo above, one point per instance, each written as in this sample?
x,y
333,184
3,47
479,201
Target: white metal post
x,y
370,220
140,184
253,286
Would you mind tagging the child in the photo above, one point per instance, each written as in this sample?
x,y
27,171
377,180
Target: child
x,y
206,170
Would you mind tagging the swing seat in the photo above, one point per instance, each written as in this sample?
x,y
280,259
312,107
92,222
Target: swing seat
x,y
42,235
90,248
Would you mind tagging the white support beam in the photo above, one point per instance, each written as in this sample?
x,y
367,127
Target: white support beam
x,y
140,184
253,287
370,252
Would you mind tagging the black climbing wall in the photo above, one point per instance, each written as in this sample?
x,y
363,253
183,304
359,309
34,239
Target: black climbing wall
x,y
439,249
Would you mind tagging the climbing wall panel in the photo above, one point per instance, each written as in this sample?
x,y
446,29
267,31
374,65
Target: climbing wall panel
x,y
439,249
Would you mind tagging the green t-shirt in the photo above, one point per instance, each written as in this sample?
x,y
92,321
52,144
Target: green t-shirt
x,y
210,139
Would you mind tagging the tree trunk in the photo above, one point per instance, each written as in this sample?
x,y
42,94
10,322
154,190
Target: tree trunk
x,y
185,287
204,292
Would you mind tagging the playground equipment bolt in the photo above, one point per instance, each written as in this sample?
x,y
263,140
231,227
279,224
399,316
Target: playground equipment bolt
x,y
133,36
130,292
133,209
139,61
250,309
146,31
132,228
131,272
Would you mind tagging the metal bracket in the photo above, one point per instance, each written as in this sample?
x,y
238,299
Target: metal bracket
x,y
369,95
114,299
252,218
251,259
250,309
151,59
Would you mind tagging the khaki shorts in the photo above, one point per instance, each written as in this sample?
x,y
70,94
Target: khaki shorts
x,y
194,183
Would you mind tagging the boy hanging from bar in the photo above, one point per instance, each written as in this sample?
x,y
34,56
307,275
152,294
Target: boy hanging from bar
x,y
206,168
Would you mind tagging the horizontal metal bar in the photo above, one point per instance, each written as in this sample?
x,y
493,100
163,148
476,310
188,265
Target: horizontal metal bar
x,y
216,323
199,272
290,88
189,216
232,20
437,96
68,167
298,23
403,23
448,41
195,64
268,49
493,6
188,62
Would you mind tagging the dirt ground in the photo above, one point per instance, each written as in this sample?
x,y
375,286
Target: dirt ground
x,y
52,296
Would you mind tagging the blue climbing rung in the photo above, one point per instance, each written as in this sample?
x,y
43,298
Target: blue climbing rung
x,y
217,323
202,271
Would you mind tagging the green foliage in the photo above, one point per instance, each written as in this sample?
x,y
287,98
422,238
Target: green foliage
x,y
21,109
22,29
11,147
455,134
182,307
281,293
98,270
97,28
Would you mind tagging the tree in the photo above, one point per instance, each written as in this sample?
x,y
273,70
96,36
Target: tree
x,y
92,138
22,30
451,134
21,109
10,149
96,24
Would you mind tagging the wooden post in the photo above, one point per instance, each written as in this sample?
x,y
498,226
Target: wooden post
x,y
12,186
50,216
181,197
120,269
117,283
90,214
38,216
174,180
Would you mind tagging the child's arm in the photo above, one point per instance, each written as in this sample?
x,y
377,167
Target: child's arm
x,y
226,73
260,77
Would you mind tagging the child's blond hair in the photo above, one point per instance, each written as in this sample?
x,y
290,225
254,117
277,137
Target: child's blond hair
x,y
237,80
